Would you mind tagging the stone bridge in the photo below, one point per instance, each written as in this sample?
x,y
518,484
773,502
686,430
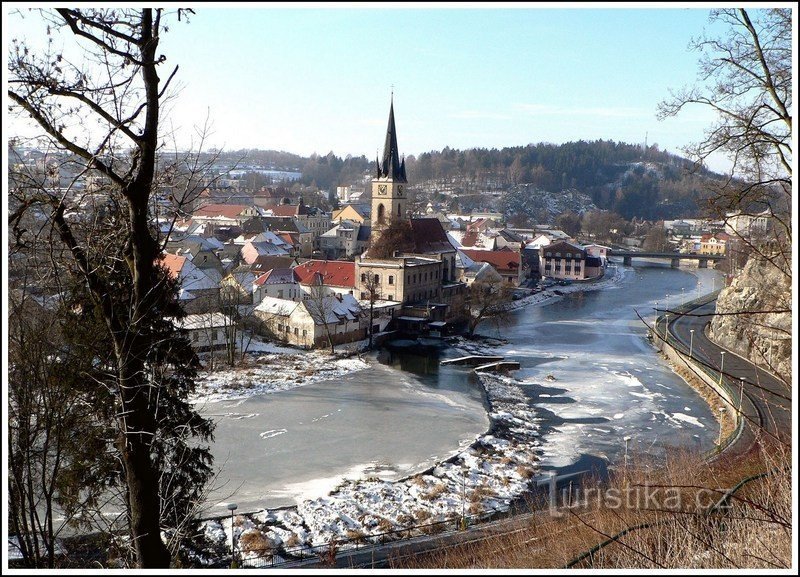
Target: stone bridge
x,y
673,257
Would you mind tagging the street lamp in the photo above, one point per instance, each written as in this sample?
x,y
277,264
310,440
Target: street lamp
x,y
232,507
666,325
691,342
655,321
721,365
464,500
667,305
741,394
626,439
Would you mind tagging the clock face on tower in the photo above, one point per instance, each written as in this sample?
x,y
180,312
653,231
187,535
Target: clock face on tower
x,y
400,190
382,189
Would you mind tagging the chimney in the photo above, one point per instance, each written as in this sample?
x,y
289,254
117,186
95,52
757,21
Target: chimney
x,y
338,297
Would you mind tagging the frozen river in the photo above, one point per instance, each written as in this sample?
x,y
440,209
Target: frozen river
x,y
593,378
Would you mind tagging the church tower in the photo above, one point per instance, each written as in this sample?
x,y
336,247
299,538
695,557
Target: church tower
x,y
389,200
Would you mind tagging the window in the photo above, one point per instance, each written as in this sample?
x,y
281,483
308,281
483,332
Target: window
x,y
377,279
363,277
568,255
295,331
363,296
280,294
288,329
280,326
558,254
304,332
391,279
391,297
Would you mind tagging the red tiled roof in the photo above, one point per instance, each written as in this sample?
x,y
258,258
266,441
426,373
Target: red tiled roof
x,y
286,210
226,210
174,264
469,238
502,260
337,273
288,237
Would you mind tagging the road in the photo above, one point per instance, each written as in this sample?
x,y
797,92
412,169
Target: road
x,y
766,401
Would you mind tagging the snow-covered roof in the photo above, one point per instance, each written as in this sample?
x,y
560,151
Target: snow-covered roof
x,y
204,321
276,306
333,308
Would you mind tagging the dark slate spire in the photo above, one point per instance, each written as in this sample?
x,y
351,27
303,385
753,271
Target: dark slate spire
x,y
391,167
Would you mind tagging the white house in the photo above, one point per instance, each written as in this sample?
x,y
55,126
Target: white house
x,y
303,323
279,283
207,331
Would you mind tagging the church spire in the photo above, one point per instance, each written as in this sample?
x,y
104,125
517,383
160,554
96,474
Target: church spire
x,y
391,166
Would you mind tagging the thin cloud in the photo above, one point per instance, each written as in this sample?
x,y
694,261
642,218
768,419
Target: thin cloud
x,y
594,111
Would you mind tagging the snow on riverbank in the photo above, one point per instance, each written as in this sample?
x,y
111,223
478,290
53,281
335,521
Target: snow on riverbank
x,y
495,469
271,368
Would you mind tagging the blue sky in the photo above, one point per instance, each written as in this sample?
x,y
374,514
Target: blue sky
x,y
319,79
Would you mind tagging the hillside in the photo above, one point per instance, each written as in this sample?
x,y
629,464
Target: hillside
x,y
624,178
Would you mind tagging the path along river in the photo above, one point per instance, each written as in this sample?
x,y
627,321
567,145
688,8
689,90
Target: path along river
x,y
588,369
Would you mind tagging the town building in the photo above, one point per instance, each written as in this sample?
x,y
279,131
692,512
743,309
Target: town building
x,y
308,323
507,263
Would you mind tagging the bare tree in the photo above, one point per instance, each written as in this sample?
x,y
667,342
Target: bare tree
x,y
746,78
320,306
102,112
487,300
372,287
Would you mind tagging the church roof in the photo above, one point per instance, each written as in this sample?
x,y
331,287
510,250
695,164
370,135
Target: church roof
x,y
429,236
391,166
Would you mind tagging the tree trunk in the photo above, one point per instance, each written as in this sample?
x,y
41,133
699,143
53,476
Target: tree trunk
x,y
137,427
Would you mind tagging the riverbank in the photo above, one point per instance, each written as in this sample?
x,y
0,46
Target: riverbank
x,y
487,476
269,368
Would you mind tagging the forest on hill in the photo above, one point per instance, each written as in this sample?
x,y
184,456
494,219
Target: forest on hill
x,y
631,180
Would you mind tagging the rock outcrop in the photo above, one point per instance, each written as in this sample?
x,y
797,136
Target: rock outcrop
x,y
756,334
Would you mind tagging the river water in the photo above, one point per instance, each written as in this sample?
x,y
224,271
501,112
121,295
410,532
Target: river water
x,y
586,366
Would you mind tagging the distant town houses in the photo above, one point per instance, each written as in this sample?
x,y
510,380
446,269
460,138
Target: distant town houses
x,y
345,240
747,226
568,261
356,213
198,292
714,244
306,277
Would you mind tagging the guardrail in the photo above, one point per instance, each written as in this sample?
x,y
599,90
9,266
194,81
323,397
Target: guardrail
x,y
667,339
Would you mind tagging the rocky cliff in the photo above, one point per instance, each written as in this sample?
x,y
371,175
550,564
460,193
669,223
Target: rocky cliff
x,y
764,337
